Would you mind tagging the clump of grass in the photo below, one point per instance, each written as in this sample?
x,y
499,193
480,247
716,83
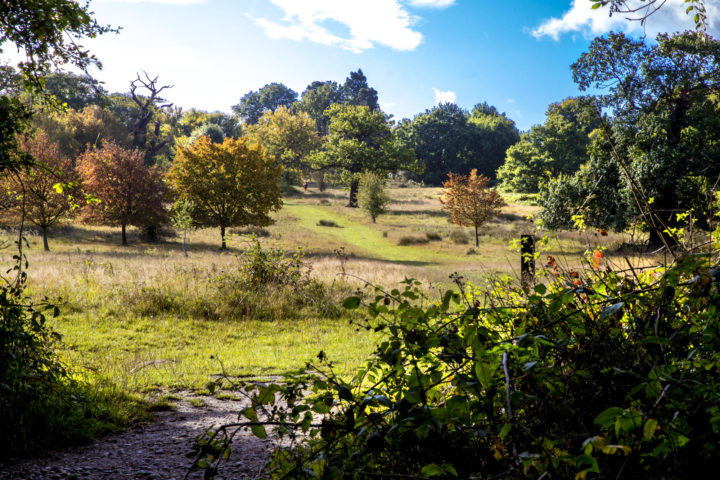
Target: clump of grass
x,y
324,201
327,223
413,240
251,230
471,251
459,237
433,236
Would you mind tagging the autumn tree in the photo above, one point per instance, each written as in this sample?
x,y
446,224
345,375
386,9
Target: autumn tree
x,y
129,192
469,201
289,138
33,190
372,196
230,184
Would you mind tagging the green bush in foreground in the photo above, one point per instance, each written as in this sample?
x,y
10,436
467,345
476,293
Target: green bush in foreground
x,y
610,376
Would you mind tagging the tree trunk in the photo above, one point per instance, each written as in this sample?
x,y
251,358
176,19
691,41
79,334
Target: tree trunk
x,y
185,243
222,234
124,236
45,241
373,217
477,238
353,203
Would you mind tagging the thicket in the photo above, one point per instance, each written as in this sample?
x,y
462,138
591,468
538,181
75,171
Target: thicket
x,y
608,373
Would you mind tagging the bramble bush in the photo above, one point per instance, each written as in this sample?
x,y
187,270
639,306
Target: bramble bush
x,y
604,374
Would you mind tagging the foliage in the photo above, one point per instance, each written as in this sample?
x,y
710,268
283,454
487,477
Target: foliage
x,y
129,193
230,183
605,374
558,147
14,119
75,91
447,139
646,8
181,218
34,189
469,201
665,128
361,140
316,99
358,92
372,196
211,130
289,138
269,98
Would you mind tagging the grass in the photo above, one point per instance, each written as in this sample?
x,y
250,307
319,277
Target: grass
x,y
144,318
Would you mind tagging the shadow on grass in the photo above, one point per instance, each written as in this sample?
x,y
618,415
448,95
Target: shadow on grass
x,y
429,213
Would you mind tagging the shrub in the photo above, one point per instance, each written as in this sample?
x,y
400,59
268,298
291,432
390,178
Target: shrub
x,y
327,223
459,237
413,240
598,373
433,236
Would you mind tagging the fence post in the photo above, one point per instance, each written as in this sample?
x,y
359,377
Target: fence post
x,y
527,260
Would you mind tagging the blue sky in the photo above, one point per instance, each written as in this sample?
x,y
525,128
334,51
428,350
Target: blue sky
x,y
512,54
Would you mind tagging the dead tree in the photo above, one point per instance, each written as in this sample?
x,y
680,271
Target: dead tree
x,y
148,103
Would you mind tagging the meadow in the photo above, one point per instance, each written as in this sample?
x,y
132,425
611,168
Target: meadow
x,y
145,319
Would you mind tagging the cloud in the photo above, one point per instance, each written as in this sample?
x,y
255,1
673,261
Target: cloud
x,y
369,23
444,97
431,3
582,18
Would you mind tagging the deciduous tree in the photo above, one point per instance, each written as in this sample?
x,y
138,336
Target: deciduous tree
x,y
129,192
33,189
233,183
372,196
469,201
269,98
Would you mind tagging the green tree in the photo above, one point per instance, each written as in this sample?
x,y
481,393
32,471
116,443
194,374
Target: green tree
x,y
269,98
372,196
316,99
181,218
360,140
558,147
229,184
358,92
665,130
211,130
128,192
75,91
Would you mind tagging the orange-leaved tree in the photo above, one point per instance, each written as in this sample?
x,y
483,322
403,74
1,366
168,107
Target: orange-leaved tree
x,y
129,192
469,200
32,189
230,184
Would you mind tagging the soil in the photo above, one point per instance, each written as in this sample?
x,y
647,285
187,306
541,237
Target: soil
x,y
161,450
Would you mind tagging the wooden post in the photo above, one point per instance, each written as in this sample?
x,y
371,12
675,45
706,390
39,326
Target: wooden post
x,y
527,260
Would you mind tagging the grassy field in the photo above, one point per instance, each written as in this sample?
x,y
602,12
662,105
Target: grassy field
x,y
144,317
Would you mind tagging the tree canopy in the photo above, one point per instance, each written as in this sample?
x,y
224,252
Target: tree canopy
x,y
269,98
229,184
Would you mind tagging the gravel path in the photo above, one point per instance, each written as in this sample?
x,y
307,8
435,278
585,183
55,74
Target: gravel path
x,y
157,450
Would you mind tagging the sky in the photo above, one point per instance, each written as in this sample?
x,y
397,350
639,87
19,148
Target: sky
x,y
515,55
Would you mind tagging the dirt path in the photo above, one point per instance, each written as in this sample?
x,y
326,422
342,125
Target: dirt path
x,y
158,450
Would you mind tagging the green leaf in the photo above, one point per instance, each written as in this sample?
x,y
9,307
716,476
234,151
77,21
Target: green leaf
x,y
258,431
431,470
250,414
351,303
505,430
606,419
611,310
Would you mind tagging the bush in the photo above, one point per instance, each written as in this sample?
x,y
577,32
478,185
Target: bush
x,y
327,223
597,373
433,236
459,237
413,240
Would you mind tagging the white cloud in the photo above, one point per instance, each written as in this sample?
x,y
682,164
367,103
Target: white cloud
x,y
431,3
582,18
370,22
444,97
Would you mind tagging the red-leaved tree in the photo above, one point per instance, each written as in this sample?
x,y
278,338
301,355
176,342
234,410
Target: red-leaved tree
x,y
129,192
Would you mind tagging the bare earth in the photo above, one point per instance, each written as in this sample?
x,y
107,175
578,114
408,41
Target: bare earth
x,y
158,450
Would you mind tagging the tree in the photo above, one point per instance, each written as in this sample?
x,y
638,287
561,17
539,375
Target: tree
x,y
317,98
129,192
360,140
34,189
664,136
181,219
558,147
194,118
469,201
75,91
289,139
358,92
372,196
269,98
641,10
211,130
230,184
